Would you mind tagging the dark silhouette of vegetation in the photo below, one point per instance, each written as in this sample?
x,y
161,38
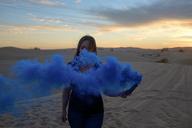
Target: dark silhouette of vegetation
x,y
164,60
37,49
181,50
164,50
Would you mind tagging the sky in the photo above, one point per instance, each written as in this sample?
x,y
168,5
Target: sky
x,y
57,24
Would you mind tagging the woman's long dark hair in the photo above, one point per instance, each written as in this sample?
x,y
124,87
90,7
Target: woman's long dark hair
x,y
92,44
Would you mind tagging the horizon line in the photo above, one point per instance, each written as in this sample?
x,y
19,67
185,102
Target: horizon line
x,y
30,48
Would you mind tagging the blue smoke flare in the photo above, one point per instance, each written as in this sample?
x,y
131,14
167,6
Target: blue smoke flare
x,y
35,79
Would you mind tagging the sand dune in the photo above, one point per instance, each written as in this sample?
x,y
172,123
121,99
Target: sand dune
x,y
163,100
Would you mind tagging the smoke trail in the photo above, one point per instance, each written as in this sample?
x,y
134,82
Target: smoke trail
x,y
34,79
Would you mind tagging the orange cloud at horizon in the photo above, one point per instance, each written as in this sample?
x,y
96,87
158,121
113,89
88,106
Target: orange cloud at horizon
x,y
160,34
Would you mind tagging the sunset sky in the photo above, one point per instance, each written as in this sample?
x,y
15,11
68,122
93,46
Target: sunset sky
x,y
113,23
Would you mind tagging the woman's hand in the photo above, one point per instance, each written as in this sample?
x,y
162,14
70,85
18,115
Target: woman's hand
x,y
64,116
125,94
128,92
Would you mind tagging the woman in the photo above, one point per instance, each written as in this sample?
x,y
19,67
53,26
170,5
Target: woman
x,y
81,112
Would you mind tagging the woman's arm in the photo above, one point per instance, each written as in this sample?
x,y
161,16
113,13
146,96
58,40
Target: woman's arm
x,y
123,94
65,100
65,96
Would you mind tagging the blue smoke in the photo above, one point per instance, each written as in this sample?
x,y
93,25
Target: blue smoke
x,y
35,79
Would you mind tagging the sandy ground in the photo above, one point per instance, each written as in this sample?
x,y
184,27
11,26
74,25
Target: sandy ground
x,y
163,100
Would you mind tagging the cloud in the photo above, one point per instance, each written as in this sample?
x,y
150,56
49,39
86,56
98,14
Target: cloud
x,y
46,19
162,10
46,3
77,1
50,3
186,37
48,27
18,29
187,23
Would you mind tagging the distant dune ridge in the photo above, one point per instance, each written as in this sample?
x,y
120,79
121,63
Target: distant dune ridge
x,y
164,98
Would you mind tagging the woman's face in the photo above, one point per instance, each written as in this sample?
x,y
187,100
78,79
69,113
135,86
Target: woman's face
x,y
85,45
